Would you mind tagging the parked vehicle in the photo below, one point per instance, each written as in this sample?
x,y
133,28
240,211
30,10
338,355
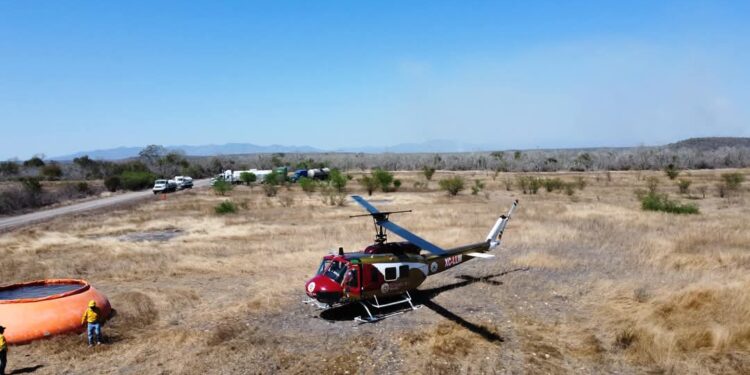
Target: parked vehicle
x,y
164,186
187,183
317,174
183,182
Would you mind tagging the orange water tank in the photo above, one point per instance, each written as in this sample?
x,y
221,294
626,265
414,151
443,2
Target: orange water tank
x,y
40,309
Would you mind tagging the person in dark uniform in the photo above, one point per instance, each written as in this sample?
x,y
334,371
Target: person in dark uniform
x,y
3,351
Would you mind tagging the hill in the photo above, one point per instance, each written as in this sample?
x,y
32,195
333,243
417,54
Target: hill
x,y
711,143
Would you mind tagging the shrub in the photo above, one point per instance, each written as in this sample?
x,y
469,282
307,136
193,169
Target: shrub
x,y
270,190
383,178
248,177
52,171
308,185
83,187
733,180
552,184
396,184
569,188
419,185
478,186
428,172
529,184
684,185
273,179
660,202
508,184
332,197
653,184
222,187
452,185
580,182
132,180
671,171
112,183
702,189
337,181
226,207
8,168
369,183
31,185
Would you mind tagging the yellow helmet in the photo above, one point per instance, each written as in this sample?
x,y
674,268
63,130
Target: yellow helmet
x,y
92,303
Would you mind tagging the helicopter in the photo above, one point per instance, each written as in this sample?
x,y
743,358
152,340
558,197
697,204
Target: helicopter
x,y
383,274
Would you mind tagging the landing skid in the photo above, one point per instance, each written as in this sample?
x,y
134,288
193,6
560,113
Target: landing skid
x,y
316,303
370,318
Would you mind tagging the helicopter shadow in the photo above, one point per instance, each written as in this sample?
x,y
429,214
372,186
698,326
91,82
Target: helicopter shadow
x,y
425,298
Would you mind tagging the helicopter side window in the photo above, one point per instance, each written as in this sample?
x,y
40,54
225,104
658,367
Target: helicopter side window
x,y
403,271
390,274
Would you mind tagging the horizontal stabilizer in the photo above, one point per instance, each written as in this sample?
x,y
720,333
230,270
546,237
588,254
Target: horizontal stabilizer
x,y
481,255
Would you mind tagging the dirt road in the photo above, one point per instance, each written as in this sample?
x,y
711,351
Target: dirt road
x,y
21,220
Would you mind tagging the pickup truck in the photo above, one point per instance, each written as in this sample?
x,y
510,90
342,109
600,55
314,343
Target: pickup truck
x,y
183,182
164,186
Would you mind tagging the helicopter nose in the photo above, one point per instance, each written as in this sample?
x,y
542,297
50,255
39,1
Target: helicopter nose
x,y
324,289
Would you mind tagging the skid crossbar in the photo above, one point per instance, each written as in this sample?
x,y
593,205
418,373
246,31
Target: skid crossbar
x,y
370,318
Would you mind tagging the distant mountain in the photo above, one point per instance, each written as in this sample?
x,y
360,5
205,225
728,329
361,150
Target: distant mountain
x,y
439,145
443,146
200,150
711,143
247,148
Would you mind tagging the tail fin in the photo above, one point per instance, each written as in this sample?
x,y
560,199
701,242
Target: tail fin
x,y
496,233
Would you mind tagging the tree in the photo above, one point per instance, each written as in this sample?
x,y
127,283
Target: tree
x,y
369,183
34,162
136,180
248,177
90,168
452,185
151,154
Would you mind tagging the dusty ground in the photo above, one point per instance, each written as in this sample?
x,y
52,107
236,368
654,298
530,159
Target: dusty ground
x,y
586,284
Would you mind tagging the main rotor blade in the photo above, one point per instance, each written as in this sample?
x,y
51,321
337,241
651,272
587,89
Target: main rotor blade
x,y
411,237
362,202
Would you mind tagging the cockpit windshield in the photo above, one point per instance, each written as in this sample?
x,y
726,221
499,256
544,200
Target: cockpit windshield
x,y
323,265
336,271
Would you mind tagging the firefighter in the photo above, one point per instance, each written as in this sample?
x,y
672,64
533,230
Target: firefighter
x,y
92,316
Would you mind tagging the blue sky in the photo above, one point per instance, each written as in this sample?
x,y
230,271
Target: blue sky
x,y
84,75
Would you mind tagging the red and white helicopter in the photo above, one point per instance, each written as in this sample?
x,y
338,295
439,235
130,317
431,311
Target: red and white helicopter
x,y
387,270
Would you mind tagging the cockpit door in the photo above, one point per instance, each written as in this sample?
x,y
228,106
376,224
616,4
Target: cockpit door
x,y
353,281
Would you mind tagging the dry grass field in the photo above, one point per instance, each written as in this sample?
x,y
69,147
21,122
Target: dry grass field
x,y
583,284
